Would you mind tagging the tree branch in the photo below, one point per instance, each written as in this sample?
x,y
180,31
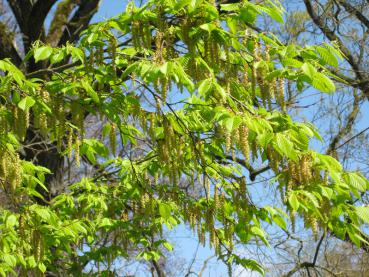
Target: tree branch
x,y
352,10
7,49
319,20
59,21
348,127
80,21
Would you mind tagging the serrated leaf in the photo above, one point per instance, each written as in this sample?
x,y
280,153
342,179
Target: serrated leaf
x,y
327,56
323,83
309,70
285,147
260,233
165,210
9,259
90,91
11,221
168,246
204,87
363,213
26,103
230,7
293,201
249,264
42,267
42,53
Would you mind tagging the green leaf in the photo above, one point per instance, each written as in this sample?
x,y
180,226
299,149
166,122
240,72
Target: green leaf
x,y
230,7
363,213
276,14
323,83
90,91
249,264
285,147
11,221
42,267
168,246
228,123
327,56
26,103
260,233
57,57
293,201
205,87
309,70
9,259
164,68
165,210
356,181
279,221
42,53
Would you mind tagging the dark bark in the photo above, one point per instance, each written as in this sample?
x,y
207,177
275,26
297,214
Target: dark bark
x,y
29,16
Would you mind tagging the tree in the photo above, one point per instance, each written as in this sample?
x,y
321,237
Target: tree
x,y
340,116
192,101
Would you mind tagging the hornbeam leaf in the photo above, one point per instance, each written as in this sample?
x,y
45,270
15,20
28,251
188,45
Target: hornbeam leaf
x,y
90,91
26,103
42,53
165,210
323,83
363,213
294,201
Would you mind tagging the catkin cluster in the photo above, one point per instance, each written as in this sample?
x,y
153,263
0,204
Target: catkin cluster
x,y
239,138
300,172
10,170
211,51
141,35
311,222
170,151
275,160
41,119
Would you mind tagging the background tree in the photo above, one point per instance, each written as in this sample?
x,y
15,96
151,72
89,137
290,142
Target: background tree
x,y
340,116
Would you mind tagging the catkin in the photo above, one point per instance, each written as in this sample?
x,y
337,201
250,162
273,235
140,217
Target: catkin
x,y
281,95
244,141
216,200
77,148
70,142
113,139
228,141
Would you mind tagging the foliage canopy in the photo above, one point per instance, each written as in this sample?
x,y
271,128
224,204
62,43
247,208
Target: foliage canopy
x,y
190,99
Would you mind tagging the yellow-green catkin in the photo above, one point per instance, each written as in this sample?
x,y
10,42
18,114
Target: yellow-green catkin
x,y
206,185
216,200
281,94
42,118
244,141
60,116
10,170
305,169
228,140
77,144
245,79
77,112
136,33
91,58
293,221
113,139
70,142
113,51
